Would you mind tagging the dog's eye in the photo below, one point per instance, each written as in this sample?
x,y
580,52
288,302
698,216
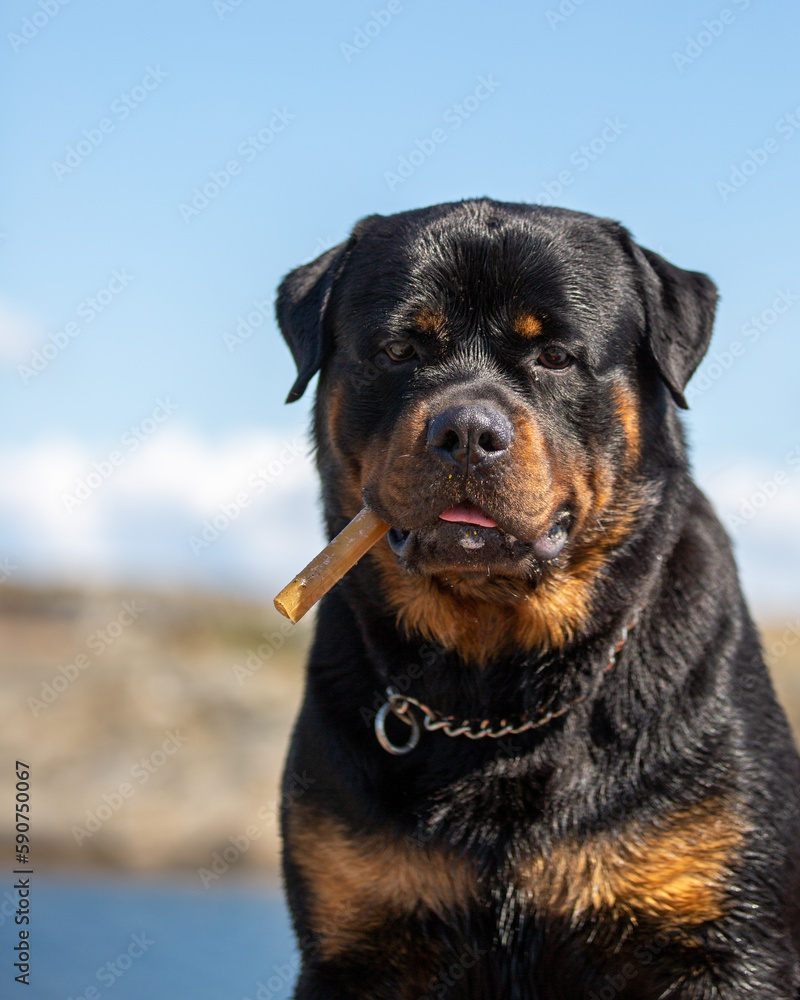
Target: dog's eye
x,y
400,350
555,357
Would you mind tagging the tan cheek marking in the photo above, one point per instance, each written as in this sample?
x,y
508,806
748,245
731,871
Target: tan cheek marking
x,y
563,602
675,873
333,407
389,465
358,881
527,325
348,470
532,472
605,509
628,415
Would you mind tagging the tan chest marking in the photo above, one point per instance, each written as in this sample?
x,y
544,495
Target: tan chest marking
x,y
675,873
358,881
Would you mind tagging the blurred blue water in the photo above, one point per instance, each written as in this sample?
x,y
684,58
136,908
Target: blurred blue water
x,y
165,941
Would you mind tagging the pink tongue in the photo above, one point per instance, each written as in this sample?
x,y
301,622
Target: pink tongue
x,y
467,514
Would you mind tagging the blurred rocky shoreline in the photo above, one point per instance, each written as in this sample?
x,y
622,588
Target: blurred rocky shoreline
x,y
156,724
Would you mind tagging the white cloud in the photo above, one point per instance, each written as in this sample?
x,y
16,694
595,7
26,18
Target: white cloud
x,y
760,508
249,502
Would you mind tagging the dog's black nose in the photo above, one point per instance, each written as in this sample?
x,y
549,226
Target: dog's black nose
x,y
473,433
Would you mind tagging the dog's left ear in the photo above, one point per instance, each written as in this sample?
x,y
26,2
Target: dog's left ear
x,y
680,315
301,308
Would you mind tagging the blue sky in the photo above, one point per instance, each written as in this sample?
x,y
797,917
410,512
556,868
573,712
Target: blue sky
x,y
681,120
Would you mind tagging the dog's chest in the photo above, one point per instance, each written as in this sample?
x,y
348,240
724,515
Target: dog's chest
x,y
669,868
490,858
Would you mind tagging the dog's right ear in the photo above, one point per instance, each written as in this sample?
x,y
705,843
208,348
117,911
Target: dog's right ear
x,y
680,309
301,307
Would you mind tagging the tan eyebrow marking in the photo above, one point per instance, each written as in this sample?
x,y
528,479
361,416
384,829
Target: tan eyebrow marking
x,y
527,325
430,320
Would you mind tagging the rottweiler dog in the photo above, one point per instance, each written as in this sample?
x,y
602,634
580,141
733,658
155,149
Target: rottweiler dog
x,y
541,755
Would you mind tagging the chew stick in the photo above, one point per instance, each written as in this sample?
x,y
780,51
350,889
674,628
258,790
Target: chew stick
x,y
330,565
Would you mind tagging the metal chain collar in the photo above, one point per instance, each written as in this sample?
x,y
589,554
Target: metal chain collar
x,y
474,729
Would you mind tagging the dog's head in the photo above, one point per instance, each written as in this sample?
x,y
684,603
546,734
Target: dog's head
x,y
495,384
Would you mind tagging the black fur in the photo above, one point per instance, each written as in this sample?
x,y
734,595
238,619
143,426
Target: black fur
x,y
686,716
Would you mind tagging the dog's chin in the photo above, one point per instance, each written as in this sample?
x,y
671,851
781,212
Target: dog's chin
x,y
446,548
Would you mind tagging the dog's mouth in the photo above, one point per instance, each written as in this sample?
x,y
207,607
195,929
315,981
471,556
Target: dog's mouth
x,y
466,538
